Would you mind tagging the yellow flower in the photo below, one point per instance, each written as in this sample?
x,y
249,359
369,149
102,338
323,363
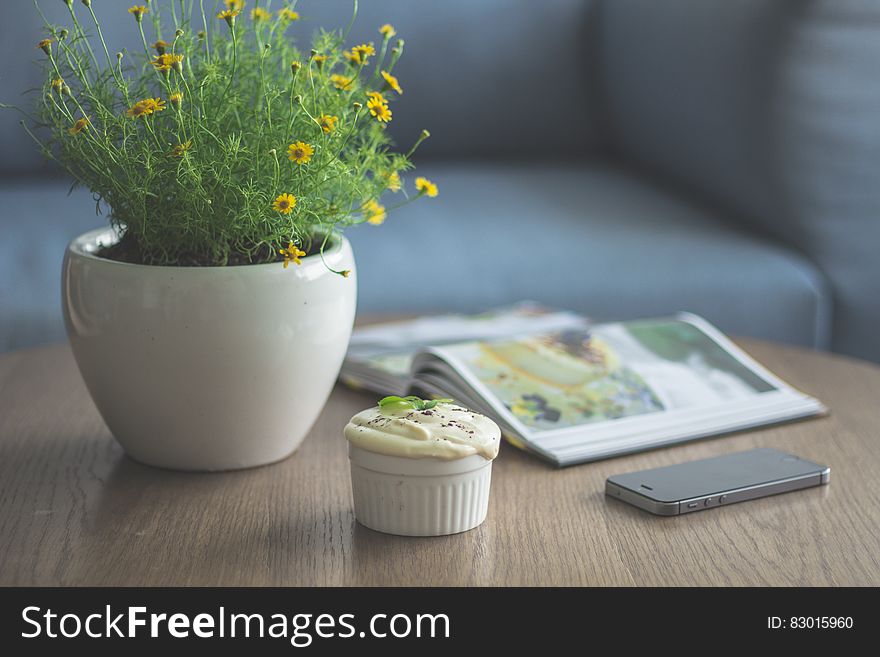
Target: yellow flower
x,y
234,5
260,14
393,179
145,107
160,46
426,187
341,82
57,85
46,46
319,60
327,122
359,54
300,152
167,61
180,149
288,14
79,126
176,98
229,15
284,204
387,30
392,82
379,109
291,253
363,51
375,95
138,12
374,212
138,110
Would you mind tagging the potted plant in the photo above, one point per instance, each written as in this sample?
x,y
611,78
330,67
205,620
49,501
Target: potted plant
x,y
210,320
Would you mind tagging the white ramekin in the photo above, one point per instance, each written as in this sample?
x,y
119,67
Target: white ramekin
x,y
419,497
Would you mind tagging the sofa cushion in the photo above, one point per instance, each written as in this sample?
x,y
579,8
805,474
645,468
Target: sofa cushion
x,y
688,90
768,109
829,159
592,238
37,220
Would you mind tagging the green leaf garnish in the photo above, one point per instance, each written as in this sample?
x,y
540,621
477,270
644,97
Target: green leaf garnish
x,y
394,402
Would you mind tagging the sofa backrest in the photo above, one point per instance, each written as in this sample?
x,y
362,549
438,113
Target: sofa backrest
x,y
769,108
488,78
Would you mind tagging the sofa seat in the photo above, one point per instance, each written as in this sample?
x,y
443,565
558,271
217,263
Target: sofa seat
x,y
595,239
587,237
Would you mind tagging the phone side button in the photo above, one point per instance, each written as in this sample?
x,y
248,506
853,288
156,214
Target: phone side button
x,y
693,505
709,501
722,499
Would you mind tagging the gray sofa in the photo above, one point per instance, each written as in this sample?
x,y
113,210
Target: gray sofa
x,y
618,157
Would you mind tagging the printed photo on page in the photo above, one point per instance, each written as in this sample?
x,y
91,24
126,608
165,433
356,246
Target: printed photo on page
x,y
577,377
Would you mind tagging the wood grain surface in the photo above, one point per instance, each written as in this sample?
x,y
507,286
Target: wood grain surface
x,y
75,511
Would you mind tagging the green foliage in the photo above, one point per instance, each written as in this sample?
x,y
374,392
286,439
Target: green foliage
x,y
397,403
199,178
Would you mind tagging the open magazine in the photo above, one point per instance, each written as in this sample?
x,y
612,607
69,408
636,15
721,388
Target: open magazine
x,y
572,392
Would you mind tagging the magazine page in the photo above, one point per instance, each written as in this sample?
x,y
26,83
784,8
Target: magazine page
x,y
587,393
380,356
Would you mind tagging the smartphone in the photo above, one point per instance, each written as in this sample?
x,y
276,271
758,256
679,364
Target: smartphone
x,y
719,481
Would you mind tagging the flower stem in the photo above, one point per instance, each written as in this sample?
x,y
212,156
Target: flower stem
x,y
380,59
354,14
205,28
263,89
104,45
234,50
82,35
290,115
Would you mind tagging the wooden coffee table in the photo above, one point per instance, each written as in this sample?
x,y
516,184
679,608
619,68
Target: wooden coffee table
x,y
75,511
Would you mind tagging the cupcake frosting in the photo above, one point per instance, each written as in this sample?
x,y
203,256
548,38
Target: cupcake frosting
x,y
446,431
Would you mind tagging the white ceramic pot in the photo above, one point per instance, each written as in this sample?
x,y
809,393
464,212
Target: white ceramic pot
x,y
419,497
208,368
